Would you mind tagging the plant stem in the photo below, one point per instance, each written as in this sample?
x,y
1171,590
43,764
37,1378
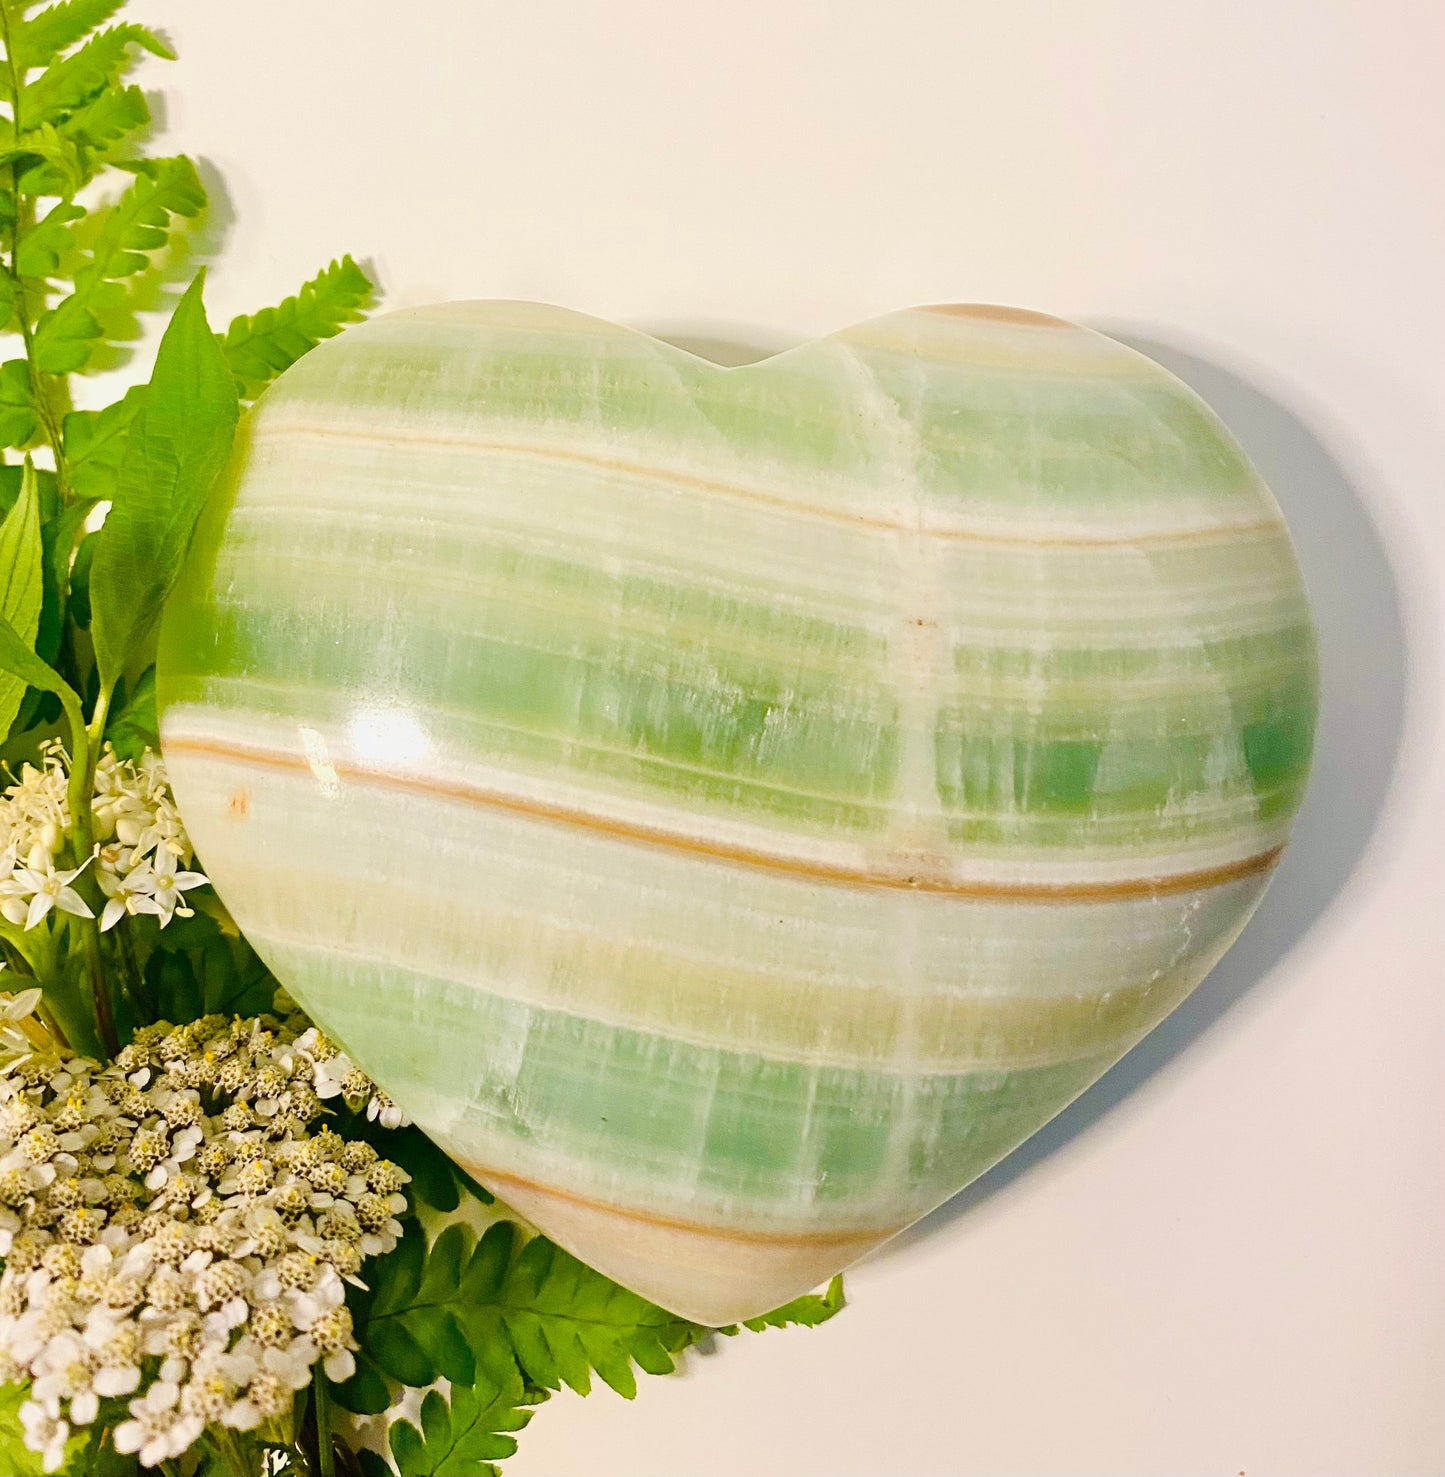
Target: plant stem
x,y
86,744
24,209
228,1448
325,1452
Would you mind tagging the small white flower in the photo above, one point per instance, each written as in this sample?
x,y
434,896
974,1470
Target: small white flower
x,y
168,886
183,1146
46,890
44,1434
125,895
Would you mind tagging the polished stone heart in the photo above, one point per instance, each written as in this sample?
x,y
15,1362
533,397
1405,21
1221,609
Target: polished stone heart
x,y
730,809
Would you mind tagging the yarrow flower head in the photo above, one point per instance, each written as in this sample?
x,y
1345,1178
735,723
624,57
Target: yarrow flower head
x,y
338,1076
142,853
176,1250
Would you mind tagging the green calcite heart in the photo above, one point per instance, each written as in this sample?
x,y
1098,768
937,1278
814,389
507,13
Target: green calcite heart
x,y
729,809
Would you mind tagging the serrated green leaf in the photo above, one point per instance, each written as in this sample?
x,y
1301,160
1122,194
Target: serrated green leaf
x,y
260,346
806,1312
104,121
78,78
463,1437
139,222
42,38
176,447
49,240
485,1272
94,442
65,335
525,1302
41,149
21,584
126,233
18,422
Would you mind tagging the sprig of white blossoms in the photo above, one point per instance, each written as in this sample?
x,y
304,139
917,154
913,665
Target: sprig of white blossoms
x,y
142,850
178,1232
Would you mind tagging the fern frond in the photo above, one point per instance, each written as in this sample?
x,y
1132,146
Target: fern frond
x,y
80,77
807,1311
94,442
140,221
18,423
48,241
260,346
463,1437
128,231
38,41
96,129
44,162
446,1310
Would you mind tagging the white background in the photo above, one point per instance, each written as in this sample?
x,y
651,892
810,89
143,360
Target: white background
x,y
1226,1258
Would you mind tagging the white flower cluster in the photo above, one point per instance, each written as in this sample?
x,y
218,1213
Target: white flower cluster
x,y
141,845
338,1076
178,1230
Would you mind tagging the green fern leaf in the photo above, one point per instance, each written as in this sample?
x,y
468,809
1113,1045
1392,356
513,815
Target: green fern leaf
x,y
86,72
39,40
444,1311
65,335
18,423
807,1311
140,221
128,231
97,129
258,347
45,163
463,1438
48,241
94,443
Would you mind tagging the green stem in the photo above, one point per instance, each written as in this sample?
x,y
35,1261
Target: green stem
x,y
85,741
325,1451
40,397
228,1448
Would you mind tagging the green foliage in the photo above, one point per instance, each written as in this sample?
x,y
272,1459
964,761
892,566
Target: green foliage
x,y
506,1319
101,124
444,1311
259,347
48,242
193,967
464,1437
82,76
17,414
176,446
131,726
125,235
17,658
20,584
807,1311
87,1453
38,41
94,443
436,1179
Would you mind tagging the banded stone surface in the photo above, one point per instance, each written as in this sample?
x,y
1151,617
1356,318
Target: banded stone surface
x,y
730,809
